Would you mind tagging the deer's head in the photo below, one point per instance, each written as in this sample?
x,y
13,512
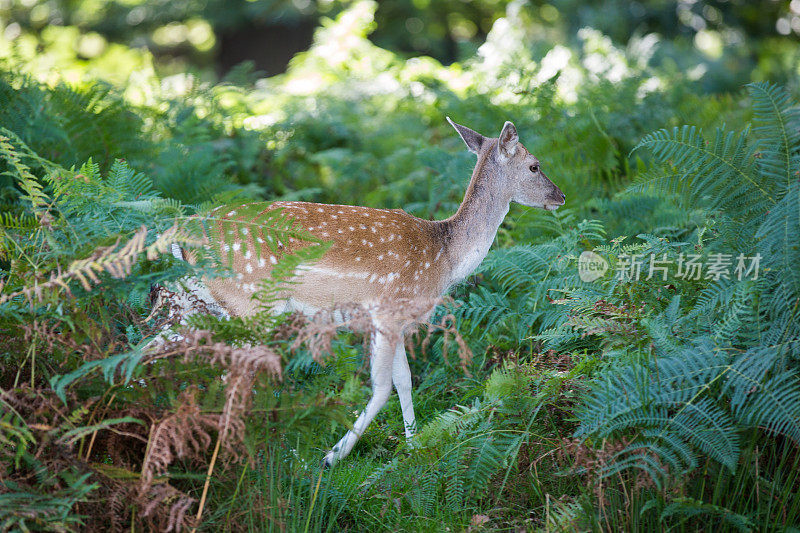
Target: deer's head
x,y
512,169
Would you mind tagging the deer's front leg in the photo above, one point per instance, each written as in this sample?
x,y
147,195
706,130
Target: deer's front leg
x,y
381,361
401,376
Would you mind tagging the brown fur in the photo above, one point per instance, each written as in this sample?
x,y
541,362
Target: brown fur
x,y
375,254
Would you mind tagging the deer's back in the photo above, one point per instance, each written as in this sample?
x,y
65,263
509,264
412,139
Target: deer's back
x,y
374,255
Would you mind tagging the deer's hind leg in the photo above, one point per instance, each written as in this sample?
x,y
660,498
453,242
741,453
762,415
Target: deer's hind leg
x,y
401,377
382,355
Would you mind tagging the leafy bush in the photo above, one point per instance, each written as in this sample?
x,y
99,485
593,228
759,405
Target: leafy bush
x,y
641,404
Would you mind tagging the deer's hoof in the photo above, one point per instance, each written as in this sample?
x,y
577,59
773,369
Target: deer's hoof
x,y
328,461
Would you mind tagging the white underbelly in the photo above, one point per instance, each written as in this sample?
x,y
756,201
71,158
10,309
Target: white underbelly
x,y
338,315
292,305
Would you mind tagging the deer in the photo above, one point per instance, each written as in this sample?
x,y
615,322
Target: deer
x,y
387,255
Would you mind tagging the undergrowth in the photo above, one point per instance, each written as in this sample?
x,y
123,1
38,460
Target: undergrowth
x,y
627,402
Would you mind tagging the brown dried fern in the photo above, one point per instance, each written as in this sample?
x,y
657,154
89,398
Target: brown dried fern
x,y
116,261
165,496
184,433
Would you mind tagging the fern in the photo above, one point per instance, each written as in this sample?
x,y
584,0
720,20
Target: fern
x,y
15,435
778,245
522,281
27,182
719,174
464,448
52,507
696,402
689,507
730,375
777,120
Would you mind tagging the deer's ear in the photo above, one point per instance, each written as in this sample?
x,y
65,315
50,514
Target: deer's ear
x,y
508,140
472,139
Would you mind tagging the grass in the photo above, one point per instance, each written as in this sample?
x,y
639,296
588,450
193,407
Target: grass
x,y
286,490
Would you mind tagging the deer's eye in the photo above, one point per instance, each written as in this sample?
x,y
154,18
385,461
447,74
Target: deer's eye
x,y
535,168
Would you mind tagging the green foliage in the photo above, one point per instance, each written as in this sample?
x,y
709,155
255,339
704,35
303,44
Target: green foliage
x,y
697,396
691,404
682,393
521,281
82,255
461,450
69,125
49,510
724,43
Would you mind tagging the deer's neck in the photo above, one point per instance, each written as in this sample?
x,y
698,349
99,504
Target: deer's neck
x,y
472,229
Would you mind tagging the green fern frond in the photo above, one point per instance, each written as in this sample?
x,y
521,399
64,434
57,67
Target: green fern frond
x,y
690,507
777,119
694,403
780,251
27,181
720,174
259,229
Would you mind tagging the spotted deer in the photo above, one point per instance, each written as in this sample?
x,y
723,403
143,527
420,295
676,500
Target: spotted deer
x,y
386,255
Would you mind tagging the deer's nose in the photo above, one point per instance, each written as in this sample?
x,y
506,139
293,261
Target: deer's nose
x,y
563,196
